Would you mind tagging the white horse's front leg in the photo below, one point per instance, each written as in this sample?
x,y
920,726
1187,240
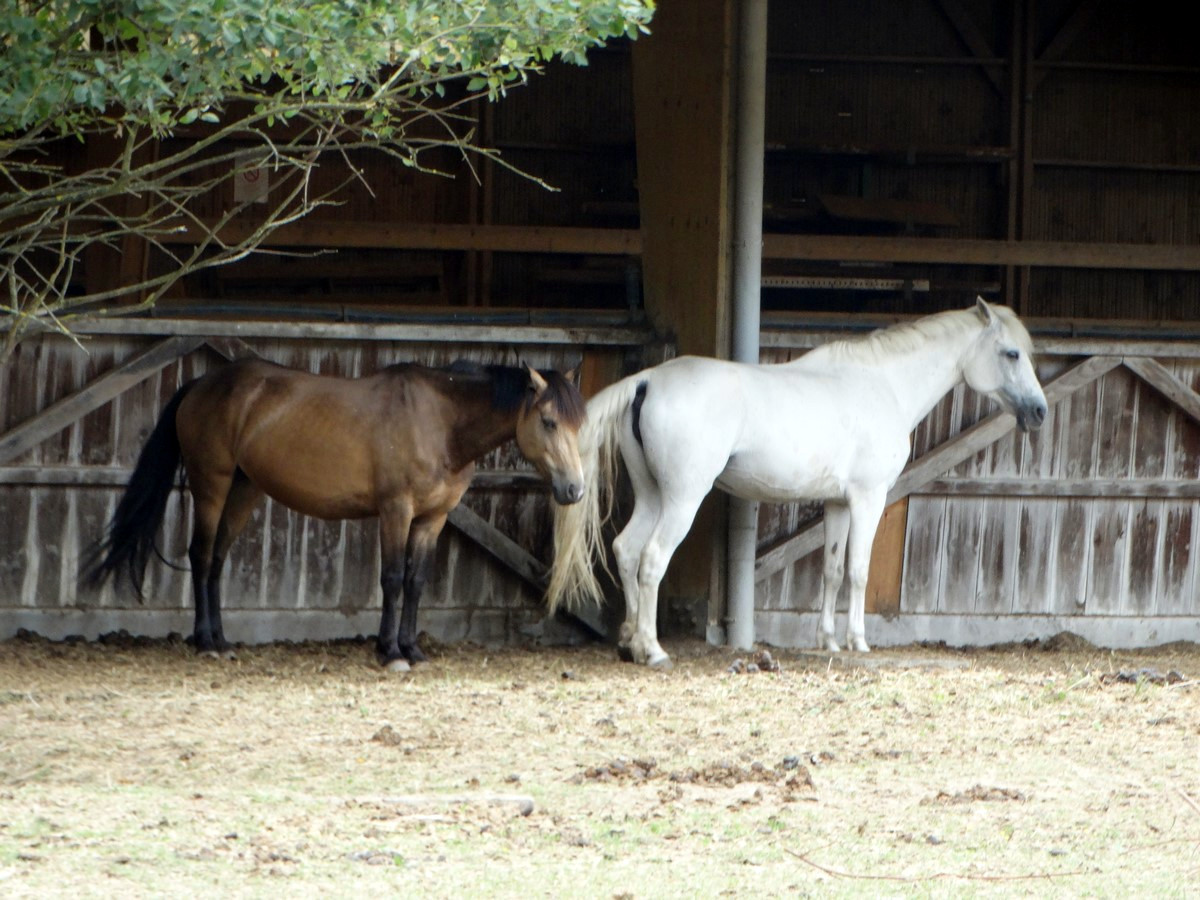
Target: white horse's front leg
x,y
865,511
837,524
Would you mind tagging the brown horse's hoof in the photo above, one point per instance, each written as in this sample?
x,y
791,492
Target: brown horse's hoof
x,y
217,654
399,664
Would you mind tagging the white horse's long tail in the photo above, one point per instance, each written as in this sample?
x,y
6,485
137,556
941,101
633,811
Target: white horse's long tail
x,y
578,528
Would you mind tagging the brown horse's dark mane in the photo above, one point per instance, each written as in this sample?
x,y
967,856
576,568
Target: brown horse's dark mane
x,y
510,388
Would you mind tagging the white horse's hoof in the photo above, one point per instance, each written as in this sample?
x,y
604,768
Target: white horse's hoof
x,y
399,665
831,646
859,644
662,663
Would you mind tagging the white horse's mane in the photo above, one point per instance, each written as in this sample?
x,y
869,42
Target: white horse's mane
x,y
907,336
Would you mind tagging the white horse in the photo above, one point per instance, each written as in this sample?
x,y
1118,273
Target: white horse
x,y
833,425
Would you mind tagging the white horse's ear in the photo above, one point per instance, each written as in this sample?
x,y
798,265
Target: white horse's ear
x,y
985,311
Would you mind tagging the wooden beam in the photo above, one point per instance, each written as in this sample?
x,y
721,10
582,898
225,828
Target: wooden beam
x,y
971,35
231,348
1166,383
398,236
450,333
108,476
1067,35
501,546
1053,488
59,415
514,557
1059,254
921,471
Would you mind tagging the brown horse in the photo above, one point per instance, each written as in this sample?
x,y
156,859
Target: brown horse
x,y
400,445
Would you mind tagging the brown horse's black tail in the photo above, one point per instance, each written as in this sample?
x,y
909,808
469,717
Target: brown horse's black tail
x,y
129,539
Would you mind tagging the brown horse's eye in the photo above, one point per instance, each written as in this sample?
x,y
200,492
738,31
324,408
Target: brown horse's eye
x,y
549,424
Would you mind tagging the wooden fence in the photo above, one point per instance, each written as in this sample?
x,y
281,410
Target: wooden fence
x,y
1088,525
993,536
74,419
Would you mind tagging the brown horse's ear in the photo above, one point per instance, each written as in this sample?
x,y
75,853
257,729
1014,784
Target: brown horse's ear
x,y
572,374
537,383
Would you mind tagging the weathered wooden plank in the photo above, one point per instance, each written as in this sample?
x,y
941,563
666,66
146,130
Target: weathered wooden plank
x,y
1175,592
1111,488
1035,566
958,560
1163,380
59,415
117,476
999,546
440,333
925,543
1114,426
789,550
887,561
780,338
412,236
1107,580
1057,254
231,348
1072,558
1145,558
499,545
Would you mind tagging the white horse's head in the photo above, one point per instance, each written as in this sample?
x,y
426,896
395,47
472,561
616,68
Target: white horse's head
x,y
999,363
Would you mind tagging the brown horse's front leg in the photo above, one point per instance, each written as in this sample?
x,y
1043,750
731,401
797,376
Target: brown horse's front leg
x,y
386,646
416,574
395,520
422,547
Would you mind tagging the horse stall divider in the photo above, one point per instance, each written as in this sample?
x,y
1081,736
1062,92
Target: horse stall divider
x,y
74,419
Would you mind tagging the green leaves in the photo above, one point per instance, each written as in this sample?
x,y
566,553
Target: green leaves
x,y
73,61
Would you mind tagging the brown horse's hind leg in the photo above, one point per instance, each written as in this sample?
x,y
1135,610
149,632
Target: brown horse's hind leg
x,y
243,496
395,519
422,547
208,502
222,506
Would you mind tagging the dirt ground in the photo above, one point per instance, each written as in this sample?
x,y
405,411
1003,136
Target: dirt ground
x,y
133,768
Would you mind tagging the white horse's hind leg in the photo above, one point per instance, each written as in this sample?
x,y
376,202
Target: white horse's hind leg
x,y
865,511
837,525
628,547
672,526
631,542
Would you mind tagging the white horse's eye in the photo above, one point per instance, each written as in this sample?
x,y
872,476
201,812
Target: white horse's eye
x,y
1013,354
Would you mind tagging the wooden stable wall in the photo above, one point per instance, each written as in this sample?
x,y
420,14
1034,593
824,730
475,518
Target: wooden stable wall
x,y
72,422
1089,525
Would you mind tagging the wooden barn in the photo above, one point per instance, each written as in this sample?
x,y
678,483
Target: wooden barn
x,y
913,155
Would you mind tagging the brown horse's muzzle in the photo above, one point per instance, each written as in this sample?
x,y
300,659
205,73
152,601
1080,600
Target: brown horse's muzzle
x,y
566,490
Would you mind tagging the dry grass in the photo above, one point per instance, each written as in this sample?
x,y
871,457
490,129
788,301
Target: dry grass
x,y
141,770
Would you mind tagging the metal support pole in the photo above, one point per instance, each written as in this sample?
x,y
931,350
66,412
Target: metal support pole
x,y
750,121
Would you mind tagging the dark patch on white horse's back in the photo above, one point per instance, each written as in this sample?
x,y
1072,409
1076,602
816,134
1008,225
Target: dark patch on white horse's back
x,y
639,397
